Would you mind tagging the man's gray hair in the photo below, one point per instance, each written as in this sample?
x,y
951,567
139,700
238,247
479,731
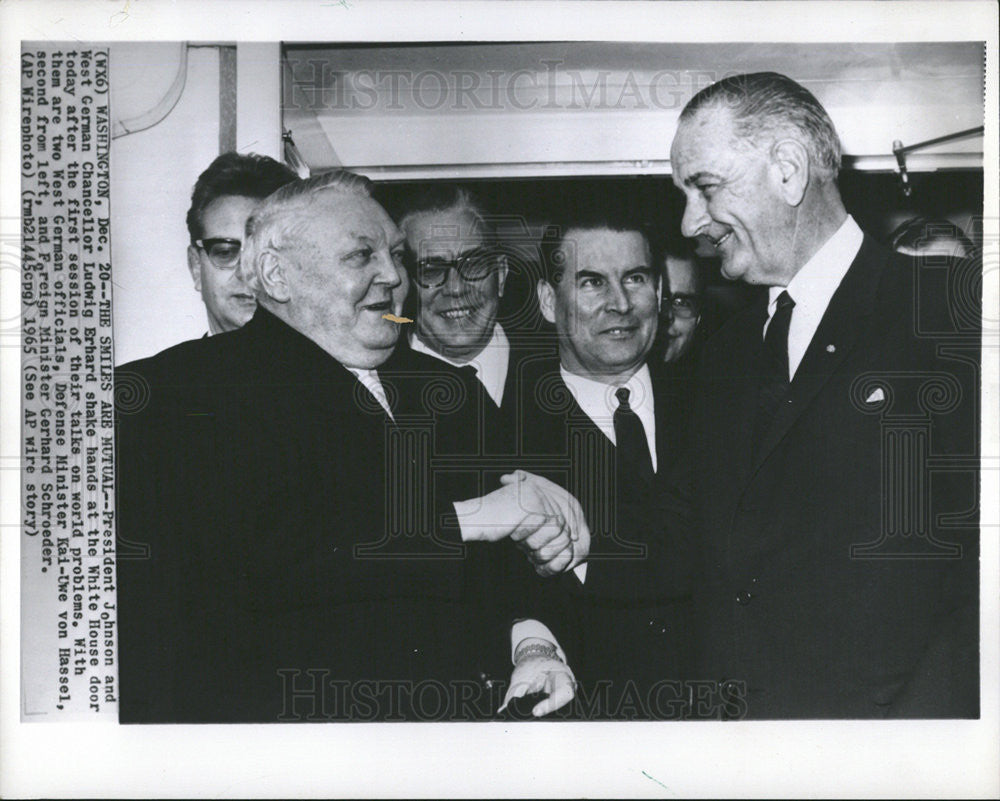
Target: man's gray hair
x,y
451,197
280,220
765,105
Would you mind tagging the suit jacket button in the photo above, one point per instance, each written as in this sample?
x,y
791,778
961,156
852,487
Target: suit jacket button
x,y
743,598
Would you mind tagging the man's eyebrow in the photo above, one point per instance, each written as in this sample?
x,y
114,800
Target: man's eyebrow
x,y
694,178
443,254
589,274
358,242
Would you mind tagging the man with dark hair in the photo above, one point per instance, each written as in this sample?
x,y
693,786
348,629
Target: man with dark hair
x,y
284,553
610,432
681,308
223,198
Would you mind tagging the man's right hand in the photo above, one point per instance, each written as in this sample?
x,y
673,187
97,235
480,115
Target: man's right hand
x,y
508,512
550,557
543,519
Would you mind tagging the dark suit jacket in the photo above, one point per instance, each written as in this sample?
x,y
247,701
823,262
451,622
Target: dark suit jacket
x,y
283,554
630,638
493,430
839,566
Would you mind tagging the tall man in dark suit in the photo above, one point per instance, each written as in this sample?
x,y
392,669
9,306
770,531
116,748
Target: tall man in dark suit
x,y
829,491
611,430
283,554
832,478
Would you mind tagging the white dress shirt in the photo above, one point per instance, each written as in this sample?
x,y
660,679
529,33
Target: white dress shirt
x,y
813,286
598,402
490,363
370,380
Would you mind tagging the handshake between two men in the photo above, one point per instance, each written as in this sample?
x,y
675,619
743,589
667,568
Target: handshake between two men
x,y
548,524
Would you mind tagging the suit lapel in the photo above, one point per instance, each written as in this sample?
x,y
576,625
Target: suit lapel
x,y
837,335
732,401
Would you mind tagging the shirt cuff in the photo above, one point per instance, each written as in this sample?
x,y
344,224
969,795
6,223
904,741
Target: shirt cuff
x,y
581,572
465,509
532,630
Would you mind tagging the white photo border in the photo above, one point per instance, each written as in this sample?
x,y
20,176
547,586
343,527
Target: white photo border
x,y
850,759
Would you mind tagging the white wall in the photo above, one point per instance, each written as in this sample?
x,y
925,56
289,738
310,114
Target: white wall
x,y
152,174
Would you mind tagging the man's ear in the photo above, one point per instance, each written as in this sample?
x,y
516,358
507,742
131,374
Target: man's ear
x,y
273,279
502,275
546,300
790,163
194,266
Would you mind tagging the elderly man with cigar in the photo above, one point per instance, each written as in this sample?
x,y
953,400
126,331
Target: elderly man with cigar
x,y
283,552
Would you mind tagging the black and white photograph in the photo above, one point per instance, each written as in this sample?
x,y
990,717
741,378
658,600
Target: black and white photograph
x,y
564,399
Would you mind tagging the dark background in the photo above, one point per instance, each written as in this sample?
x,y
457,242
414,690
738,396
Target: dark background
x,y
874,199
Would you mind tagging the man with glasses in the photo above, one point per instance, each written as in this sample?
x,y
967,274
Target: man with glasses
x,y
682,305
459,273
223,198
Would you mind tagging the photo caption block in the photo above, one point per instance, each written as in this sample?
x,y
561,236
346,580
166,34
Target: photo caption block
x,y
68,607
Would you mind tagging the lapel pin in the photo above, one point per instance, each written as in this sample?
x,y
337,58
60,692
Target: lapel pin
x,y
831,348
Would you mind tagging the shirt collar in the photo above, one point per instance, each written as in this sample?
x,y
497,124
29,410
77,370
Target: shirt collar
x,y
812,287
598,402
490,363
370,380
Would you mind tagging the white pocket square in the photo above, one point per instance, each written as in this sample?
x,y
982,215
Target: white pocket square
x,y
876,396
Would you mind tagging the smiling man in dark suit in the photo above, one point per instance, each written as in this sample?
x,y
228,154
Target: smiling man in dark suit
x,y
833,583
599,411
283,555
829,491
459,268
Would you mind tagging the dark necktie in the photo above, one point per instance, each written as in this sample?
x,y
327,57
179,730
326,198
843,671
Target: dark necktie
x,y
633,465
774,368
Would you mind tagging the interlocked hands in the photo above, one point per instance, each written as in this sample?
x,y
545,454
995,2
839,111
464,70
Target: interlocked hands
x,y
544,519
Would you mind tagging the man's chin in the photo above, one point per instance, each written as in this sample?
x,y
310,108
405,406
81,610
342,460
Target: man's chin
x,y
373,355
619,360
461,339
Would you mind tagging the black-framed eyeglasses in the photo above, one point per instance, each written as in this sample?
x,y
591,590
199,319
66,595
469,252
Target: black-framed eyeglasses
x,y
475,265
224,253
683,305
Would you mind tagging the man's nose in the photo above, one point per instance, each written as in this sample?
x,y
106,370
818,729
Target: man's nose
x,y
618,299
454,284
388,271
695,217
